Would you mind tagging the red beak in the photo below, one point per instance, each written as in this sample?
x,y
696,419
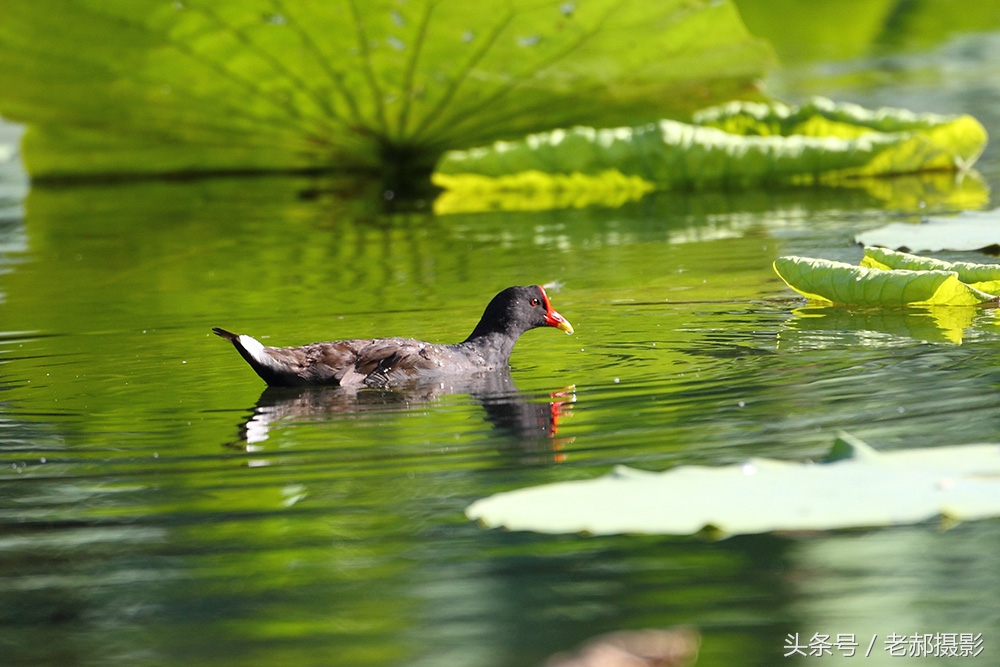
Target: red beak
x,y
552,318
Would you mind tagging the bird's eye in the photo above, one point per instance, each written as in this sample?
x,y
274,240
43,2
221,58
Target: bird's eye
x,y
535,302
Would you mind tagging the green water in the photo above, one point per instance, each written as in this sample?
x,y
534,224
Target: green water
x,y
158,508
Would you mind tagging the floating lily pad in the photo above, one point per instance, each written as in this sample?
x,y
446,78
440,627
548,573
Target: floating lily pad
x,y
739,144
985,277
857,487
968,231
838,282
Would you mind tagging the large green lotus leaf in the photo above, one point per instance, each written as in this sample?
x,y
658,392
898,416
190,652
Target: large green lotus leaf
x,y
970,230
739,144
919,142
985,277
838,282
856,487
146,86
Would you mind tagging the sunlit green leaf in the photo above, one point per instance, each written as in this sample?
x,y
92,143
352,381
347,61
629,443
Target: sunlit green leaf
x,y
141,86
856,487
985,277
838,282
734,145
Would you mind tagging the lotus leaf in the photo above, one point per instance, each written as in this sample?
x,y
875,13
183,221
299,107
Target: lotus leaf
x,y
855,487
739,144
985,277
154,86
838,282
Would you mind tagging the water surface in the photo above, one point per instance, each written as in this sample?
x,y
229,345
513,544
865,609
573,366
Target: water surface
x,y
158,507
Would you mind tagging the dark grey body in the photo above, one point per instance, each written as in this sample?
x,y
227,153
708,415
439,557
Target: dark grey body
x,y
382,362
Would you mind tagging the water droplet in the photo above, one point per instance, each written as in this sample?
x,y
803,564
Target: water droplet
x,y
749,469
468,36
741,404
617,380
567,8
397,18
395,43
529,40
274,19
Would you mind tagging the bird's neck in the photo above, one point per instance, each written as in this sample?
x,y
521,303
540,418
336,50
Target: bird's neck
x,y
492,347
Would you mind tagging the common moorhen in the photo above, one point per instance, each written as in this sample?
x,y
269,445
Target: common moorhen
x,y
382,362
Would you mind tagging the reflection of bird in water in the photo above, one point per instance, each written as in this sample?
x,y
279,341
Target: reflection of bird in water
x,y
517,416
385,362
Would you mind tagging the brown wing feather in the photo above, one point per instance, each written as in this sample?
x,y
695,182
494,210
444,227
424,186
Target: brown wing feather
x,y
391,359
349,363
359,361
321,363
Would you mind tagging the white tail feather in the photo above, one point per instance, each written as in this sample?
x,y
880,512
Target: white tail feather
x,y
256,350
